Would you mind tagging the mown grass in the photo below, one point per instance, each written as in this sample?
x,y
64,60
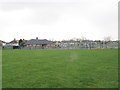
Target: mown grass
x,y
60,68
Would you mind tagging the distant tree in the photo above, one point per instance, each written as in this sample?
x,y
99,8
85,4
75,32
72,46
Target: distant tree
x,y
108,38
0,44
21,43
83,38
106,43
74,39
101,44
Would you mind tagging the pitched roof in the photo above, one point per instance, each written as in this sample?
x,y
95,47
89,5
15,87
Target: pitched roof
x,y
14,41
38,42
2,41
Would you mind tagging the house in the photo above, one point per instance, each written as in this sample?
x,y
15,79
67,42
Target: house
x,y
14,44
38,44
2,43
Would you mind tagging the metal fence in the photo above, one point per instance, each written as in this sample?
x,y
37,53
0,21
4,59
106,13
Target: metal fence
x,y
73,45
89,45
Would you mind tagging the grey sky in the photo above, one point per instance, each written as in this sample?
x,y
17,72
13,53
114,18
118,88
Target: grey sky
x,y
58,19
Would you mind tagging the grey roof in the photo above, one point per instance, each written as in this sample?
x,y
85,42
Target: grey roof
x,y
38,42
14,41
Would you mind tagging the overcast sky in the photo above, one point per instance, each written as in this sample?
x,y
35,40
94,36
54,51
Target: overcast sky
x,y
58,19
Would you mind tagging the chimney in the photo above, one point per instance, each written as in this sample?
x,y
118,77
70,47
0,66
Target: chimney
x,y
36,38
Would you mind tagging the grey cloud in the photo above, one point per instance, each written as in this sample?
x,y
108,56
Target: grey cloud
x,y
7,6
40,14
42,17
44,1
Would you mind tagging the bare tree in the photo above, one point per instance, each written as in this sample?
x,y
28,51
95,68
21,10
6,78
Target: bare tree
x,y
78,39
83,38
108,38
74,39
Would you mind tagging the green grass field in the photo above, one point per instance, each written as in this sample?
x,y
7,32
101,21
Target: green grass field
x,y
60,68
